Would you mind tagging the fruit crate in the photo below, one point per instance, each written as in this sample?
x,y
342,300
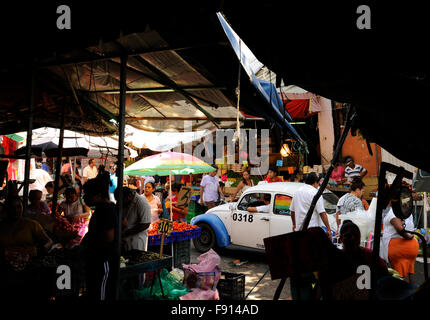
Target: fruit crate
x,y
231,286
196,208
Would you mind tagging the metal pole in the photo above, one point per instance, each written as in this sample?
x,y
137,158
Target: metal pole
x,y
120,159
349,120
29,136
58,164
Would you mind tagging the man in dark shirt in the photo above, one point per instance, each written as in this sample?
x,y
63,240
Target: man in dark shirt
x,y
101,252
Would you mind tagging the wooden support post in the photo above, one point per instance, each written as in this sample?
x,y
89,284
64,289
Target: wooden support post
x,y
58,164
308,217
29,136
120,170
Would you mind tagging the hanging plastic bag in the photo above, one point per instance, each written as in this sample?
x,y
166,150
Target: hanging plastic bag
x,y
365,220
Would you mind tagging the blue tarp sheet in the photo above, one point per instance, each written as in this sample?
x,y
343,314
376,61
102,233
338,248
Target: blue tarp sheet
x,y
266,89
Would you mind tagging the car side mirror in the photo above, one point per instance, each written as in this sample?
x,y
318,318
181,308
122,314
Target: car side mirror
x,y
231,206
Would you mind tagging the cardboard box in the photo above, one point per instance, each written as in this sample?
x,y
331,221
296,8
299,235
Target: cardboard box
x,y
184,197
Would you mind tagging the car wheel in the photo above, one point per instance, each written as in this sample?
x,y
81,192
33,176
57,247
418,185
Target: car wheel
x,y
207,239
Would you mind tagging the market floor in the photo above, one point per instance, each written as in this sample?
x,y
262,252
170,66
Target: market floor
x,y
254,269
256,266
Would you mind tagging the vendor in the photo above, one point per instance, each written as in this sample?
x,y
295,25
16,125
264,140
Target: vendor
x,y
73,207
178,212
353,170
21,235
272,176
136,221
37,205
338,173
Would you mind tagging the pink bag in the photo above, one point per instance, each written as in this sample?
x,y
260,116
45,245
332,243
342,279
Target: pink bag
x,y
204,275
201,280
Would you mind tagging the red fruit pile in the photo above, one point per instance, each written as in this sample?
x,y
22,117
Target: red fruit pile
x,y
177,227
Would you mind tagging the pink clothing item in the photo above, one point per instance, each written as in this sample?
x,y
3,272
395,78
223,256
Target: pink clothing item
x,y
337,173
154,208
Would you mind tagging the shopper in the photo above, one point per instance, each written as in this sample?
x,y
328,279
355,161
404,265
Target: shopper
x,y
65,168
210,190
351,201
153,201
90,171
99,242
136,220
113,182
244,184
41,179
272,176
399,248
301,203
353,170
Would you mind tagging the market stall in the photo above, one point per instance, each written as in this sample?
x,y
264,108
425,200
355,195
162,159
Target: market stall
x,y
172,163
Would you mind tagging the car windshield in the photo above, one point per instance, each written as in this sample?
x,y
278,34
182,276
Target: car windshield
x,y
330,202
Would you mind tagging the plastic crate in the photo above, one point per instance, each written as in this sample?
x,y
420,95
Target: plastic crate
x,y
190,215
155,239
196,207
231,286
181,253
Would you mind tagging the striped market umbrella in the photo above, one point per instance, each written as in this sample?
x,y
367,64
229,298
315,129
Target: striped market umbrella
x,y
168,164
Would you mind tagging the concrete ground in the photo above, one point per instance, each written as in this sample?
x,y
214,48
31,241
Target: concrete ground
x,y
256,266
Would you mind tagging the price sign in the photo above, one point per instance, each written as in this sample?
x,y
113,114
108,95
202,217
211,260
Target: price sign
x,y
165,226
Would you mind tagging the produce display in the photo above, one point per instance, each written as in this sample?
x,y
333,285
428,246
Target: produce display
x,y
61,224
138,257
177,227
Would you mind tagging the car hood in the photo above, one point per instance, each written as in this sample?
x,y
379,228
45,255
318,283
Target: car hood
x,y
223,208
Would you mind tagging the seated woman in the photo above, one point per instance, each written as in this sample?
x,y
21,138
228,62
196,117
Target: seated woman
x,y
19,235
36,206
338,281
399,248
74,209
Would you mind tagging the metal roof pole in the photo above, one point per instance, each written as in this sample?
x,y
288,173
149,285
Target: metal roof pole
x,y
29,136
58,164
120,170
350,118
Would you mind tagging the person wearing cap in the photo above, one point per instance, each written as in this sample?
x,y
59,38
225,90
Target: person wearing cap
x,y
210,190
353,170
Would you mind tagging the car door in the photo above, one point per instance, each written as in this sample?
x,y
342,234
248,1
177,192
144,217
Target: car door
x,y
280,221
249,229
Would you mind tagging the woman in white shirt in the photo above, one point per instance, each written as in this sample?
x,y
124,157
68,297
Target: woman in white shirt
x,y
154,202
399,248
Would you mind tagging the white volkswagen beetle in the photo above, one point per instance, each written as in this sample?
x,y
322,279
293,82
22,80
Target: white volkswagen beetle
x,y
231,223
